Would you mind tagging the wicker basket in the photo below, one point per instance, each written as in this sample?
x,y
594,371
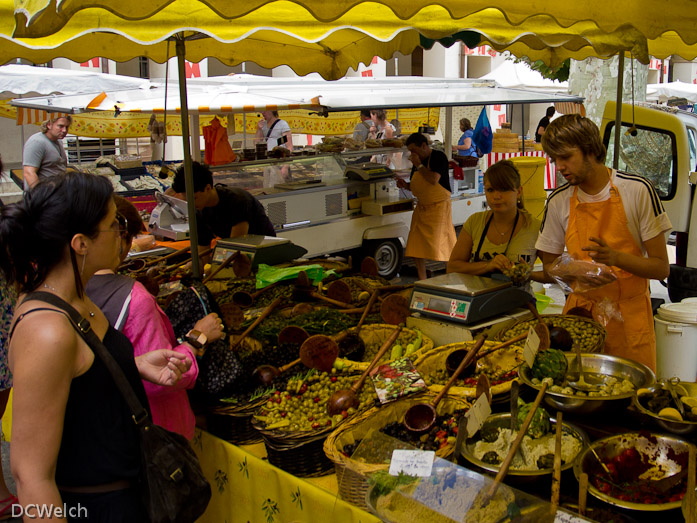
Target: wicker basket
x,y
234,423
376,335
351,474
595,343
509,357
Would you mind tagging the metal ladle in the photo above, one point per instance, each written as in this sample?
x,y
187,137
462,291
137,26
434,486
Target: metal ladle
x,y
422,416
576,378
345,399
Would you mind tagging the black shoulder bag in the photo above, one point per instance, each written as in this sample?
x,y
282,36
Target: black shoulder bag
x,y
175,489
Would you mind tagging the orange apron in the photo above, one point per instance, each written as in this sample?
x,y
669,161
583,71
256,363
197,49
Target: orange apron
x,y
632,337
432,234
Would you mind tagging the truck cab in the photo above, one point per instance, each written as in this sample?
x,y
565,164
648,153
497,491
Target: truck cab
x,y
659,143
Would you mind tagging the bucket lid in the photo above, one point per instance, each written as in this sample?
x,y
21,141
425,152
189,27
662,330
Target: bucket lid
x,y
683,312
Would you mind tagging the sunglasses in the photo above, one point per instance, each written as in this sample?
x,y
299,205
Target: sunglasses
x,y
120,225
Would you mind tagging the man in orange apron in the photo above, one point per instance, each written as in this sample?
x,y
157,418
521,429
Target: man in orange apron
x,y
432,234
612,218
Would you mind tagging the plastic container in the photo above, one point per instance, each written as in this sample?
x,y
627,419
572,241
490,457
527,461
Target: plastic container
x,y
676,349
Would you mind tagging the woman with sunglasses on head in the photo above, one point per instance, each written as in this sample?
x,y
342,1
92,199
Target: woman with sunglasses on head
x,y
492,241
73,437
131,309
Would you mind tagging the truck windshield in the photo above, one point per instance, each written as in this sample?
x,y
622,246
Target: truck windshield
x,y
647,152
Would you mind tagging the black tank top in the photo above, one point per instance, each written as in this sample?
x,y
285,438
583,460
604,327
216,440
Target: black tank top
x,y
100,442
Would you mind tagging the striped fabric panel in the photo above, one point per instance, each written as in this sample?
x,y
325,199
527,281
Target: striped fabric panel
x,y
550,169
35,116
570,108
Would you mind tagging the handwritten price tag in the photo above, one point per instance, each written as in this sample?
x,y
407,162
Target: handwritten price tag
x,y
532,345
413,462
477,414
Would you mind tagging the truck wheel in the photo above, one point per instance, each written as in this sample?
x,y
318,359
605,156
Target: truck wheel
x,y
388,254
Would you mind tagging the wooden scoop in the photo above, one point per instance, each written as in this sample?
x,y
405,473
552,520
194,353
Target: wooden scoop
x,y
556,474
220,267
503,470
344,399
303,291
340,291
246,299
422,416
321,359
370,266
394,309
543,331
132,265
174,254
268,310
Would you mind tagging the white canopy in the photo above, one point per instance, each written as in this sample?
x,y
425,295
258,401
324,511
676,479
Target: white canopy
x,y
247,93
519,75
16,80
666,91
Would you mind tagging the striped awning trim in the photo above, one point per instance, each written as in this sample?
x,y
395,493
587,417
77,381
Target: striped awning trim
x,y
570,108
35,116
206,109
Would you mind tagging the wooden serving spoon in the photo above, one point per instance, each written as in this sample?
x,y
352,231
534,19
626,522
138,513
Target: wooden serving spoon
x,y
268,310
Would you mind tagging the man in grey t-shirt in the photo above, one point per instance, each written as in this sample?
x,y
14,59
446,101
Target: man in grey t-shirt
x,y
362,129
44,155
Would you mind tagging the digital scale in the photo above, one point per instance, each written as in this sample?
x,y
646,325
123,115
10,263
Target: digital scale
x,y
262,249
465,298
368,171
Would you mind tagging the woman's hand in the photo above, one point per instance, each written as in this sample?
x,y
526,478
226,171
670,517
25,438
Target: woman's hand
x,y
415,160
211,325
162,366
499,263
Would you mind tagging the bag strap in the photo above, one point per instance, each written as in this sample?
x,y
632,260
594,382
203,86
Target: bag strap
x,y
84,329
268,133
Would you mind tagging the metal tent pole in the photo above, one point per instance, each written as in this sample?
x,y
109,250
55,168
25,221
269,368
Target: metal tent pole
x,y
188,171
618,112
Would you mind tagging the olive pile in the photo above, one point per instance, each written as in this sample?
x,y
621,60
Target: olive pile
x,y
443,432
404,339
302,404
284,290
321,321
496,376
519,273
359,286
583,331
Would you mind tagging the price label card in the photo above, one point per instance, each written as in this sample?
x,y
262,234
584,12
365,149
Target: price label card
x,y
477,414
532,345
413,462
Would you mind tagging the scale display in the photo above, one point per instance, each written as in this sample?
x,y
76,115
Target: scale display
x,y
465,298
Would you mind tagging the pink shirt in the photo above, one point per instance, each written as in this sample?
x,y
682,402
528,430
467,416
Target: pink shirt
x,y
149,329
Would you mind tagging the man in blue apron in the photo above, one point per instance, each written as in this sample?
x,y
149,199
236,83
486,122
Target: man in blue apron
x,y
612,218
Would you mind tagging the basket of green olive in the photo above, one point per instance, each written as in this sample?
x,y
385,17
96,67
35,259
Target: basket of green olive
x,y
294,422
388,419
411,343
501,367
564,330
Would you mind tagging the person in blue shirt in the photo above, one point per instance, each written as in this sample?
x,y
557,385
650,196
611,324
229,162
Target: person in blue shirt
x,y
465,145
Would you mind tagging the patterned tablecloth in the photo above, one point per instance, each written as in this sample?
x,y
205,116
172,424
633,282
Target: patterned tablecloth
x,y
550,170
248,488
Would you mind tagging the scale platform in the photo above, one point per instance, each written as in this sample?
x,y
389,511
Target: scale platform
x,y
466,298
368,171
262,249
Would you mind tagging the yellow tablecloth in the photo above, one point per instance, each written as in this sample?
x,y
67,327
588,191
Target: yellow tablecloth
x,y
248,488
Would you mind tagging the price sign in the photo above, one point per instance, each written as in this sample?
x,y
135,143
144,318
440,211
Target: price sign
x,y
413,462
477,414
532,345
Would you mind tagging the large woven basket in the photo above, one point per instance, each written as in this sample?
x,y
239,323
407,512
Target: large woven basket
x,y
376,334
233,423
351,474
592,341
434,360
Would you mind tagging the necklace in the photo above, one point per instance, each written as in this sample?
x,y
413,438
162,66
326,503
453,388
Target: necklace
x,y
497,229
56,291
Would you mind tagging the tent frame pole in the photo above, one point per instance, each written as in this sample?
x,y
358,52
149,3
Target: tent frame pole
x,y
618,112
188,168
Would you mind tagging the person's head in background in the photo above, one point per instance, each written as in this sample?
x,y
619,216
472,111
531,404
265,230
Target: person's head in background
x,y
550,111
503,177
365,115
465,124
379,115
63,219
56,128
204,191
132,222
269,115
418,144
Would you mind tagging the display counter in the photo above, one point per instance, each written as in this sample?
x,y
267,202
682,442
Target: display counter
x,y
246,487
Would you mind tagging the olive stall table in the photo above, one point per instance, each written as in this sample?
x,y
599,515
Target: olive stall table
x,y
247,488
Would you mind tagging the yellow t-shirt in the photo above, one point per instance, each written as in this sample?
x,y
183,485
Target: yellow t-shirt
x,y
522,245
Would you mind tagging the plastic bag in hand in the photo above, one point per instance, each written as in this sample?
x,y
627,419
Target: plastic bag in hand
x,y
580,275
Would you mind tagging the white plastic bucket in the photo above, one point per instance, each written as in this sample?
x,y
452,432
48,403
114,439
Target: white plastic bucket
x,y
676,349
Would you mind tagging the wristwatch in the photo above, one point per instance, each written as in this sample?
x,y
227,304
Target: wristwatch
x,y
196,339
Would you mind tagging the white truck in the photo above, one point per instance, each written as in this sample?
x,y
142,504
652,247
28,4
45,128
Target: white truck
x,y
660,143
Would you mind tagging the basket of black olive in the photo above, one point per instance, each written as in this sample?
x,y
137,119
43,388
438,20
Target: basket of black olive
x,y
388,419
564,330
294,421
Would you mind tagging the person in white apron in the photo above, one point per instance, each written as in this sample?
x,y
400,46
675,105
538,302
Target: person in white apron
x,y
612,218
